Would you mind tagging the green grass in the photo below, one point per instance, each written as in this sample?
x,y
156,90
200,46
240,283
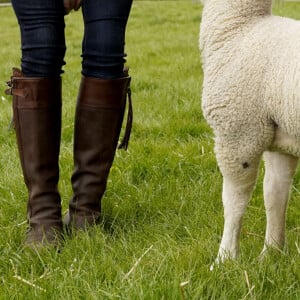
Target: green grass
x,y
162,212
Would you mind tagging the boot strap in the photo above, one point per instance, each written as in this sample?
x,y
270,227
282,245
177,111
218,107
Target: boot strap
x,y
125,140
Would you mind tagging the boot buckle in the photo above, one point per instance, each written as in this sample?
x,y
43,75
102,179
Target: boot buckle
x,y
10,87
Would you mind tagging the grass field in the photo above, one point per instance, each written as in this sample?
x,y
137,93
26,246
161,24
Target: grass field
x,y
162,212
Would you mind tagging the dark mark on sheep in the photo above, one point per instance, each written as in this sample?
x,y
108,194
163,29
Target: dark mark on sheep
x,y
245,165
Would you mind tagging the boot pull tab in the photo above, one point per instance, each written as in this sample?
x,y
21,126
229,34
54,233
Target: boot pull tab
x,y
125,140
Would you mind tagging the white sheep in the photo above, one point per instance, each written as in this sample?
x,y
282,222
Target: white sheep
x,y
251,99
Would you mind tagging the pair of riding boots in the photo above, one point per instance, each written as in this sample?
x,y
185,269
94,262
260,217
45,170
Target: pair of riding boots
x,y
99,115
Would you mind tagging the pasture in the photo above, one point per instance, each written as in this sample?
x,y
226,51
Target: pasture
x,y
162,211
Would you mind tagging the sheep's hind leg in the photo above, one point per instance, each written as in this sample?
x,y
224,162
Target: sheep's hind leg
x,y
237,189
279,171
235,196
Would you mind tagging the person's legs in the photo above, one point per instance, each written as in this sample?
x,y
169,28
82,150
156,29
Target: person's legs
x,y
42,36
104,37
36,94
100,107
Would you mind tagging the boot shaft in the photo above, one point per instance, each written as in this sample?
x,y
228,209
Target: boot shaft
x,y
37,121
99,116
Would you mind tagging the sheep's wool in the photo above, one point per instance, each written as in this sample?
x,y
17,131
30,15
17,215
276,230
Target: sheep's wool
x,y
251,88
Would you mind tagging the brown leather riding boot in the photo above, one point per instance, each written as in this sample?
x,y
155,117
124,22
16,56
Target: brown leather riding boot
x,y
37,121
98,121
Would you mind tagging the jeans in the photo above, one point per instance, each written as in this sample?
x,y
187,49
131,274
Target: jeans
x,y
43,38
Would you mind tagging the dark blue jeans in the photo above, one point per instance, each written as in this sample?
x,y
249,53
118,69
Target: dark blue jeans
x,y
43,38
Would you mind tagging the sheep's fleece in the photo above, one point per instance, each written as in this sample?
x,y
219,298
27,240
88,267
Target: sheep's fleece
x,y
251,99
